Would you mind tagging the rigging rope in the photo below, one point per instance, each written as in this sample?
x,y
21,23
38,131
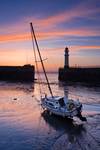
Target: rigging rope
x,y
37,69
33,33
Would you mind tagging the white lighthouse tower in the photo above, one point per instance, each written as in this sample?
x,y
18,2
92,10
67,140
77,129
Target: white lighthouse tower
x,y
66,61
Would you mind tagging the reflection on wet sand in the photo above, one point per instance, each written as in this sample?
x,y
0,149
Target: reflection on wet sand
x,y
24,127
88,96
62,124
72,136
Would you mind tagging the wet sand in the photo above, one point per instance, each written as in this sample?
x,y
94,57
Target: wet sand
x,y
83,136
25,126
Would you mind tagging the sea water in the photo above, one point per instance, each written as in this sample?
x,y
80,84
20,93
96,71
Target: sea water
x,y
25,126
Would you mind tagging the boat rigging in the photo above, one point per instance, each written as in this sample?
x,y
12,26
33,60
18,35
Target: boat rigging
x,y
58,105
33,35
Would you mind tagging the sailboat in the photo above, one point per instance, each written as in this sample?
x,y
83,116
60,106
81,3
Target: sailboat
x,y
58,105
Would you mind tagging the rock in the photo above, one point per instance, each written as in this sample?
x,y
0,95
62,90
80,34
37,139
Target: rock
x,y
15,99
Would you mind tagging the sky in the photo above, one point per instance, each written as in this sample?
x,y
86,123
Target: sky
x,y
58,24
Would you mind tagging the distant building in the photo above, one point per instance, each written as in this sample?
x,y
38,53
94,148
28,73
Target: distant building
x,y
88,75
66,61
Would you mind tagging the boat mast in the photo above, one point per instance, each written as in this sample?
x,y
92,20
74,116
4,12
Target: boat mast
x,y
41,59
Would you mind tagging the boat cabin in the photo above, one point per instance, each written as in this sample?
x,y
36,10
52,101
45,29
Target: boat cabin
x,y
56,101
61,102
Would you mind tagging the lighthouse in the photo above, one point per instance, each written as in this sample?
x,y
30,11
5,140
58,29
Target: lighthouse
x,y
66,61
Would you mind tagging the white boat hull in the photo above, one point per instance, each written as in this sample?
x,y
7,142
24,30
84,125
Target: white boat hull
x,y
61,111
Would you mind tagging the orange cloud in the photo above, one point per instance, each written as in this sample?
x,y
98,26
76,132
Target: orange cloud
x,y
47,29
85,47
83,10
50,35
14,37
20,30
20,57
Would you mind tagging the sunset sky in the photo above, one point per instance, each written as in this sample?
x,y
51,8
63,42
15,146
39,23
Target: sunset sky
x,y
57,24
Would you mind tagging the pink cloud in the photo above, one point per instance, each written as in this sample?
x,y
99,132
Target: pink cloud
x,y
85,9
85,47
50,35
20,31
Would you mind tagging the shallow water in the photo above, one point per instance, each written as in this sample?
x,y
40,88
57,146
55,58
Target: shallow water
x,y
24,125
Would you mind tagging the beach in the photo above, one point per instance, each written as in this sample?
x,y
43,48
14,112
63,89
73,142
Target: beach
x,y
25,126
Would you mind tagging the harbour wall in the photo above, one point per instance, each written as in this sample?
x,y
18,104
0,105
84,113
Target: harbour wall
x,y
88,75
24,73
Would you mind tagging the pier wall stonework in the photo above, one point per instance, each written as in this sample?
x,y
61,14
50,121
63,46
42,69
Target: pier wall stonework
x,y
17,73
79,74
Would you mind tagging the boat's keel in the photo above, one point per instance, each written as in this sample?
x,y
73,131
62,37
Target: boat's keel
x,y
81,117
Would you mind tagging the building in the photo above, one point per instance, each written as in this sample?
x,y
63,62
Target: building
x,y
88,75
66,60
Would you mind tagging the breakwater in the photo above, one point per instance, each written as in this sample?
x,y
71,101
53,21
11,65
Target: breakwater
x,y
88,75
17,73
